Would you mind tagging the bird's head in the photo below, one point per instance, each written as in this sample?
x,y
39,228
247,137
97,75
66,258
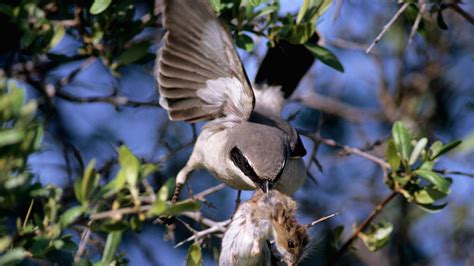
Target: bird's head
x,y
260,153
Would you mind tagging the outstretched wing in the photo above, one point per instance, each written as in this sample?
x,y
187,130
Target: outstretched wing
x,y
200,74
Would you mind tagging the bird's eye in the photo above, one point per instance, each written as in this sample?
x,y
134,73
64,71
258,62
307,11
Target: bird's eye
x,y
291,244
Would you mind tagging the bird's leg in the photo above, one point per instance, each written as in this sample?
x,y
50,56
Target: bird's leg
x,y
181,179
237,200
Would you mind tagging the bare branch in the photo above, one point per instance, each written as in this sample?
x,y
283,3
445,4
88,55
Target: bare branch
x,y
456,8
416,24
363,226
351,150
83,244
322,219
332,106
387,26
114,100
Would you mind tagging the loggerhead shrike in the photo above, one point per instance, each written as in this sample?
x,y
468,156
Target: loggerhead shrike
x,y
245,143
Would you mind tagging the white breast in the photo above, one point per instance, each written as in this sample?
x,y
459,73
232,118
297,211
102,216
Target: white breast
x,y
214,157
244,243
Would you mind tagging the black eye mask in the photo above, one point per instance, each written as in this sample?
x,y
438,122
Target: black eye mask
x,y
241,162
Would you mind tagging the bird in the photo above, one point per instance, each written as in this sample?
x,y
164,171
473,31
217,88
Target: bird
x,y
265,217
244,143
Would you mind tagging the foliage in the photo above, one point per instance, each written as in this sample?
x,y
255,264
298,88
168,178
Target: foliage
x,y
43,232
46,223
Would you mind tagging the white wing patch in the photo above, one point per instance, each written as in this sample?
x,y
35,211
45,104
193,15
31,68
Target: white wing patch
x,y
269,100
227,93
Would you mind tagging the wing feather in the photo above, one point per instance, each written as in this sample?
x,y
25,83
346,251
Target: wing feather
x,y
200,75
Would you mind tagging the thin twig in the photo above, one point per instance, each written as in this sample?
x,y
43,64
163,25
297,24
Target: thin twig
x,y
219,227
322,219
201,195
83,244
456,8
114,100
416,24
376,211
351,150
387,26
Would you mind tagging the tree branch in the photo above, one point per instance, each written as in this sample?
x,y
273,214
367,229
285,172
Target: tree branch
x,y
387,26
363,226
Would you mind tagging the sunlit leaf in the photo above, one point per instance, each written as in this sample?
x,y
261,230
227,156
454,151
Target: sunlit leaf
x,y
401,138
13,256
59,32
325,56
303,9
130,165
435,148
194,257
377,236
216,5
5,241
158,208
99,6
71,215
90,181
255,3
419,147
446,148
436,179
10,136
111,246
181,207
392,156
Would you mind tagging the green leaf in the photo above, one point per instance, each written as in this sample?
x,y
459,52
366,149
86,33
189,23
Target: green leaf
x,y
111,226
401,137
216,5
5,241
302,12
255,3
194,257
439,182
10,136
130,165
148,169
71,215
392,156
59,32
432,208
166,189
77,190
13,256
133,54
111,246
377,236
99,6
419,147
90,181
435,149
428,165
157,209
428,195
180,207
325,56
245,42
445,148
